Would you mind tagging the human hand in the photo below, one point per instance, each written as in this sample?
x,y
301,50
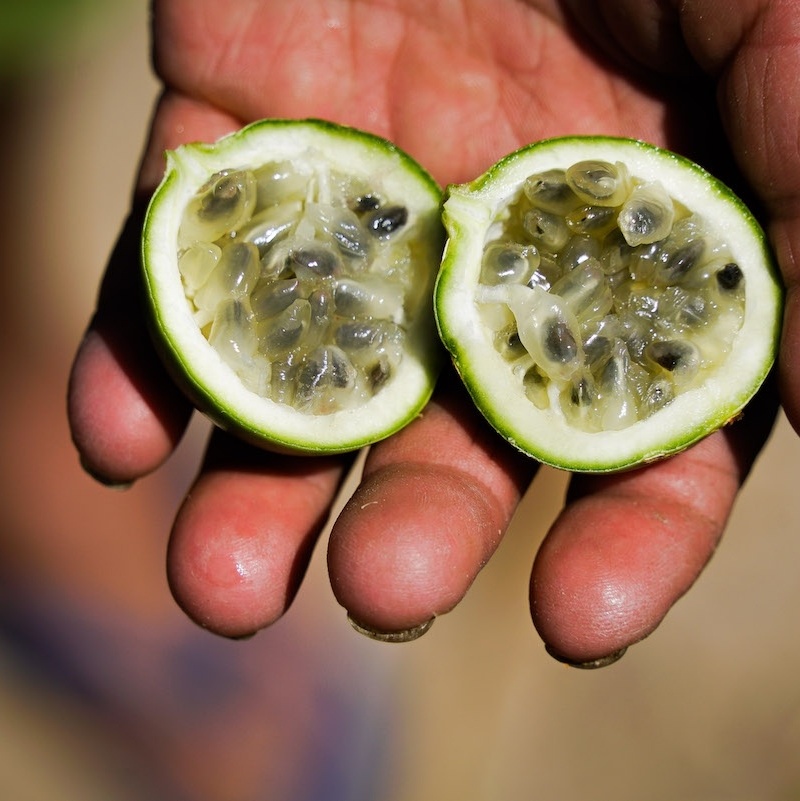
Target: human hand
x,y
457,91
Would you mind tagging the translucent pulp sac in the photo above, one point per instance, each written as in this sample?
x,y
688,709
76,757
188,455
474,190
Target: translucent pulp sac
x,y
301,278
606,296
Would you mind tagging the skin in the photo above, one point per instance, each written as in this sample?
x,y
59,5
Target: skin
x,y
457,85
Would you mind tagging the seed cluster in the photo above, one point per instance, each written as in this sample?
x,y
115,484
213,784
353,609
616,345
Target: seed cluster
x,y
606,296
301,279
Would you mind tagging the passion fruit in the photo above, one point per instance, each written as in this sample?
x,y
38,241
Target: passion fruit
x,y
289,270
605,301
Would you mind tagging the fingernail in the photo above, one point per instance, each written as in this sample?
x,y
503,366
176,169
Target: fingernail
x,y
592,664
407,635
104,480
248,635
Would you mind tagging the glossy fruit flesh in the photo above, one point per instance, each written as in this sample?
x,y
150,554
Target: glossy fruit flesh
x,y
606,295
607,298
300,284
290,269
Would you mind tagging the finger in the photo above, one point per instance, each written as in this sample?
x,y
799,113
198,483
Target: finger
x,y
431,508
628,546
785,233
125,413
243,537
751,47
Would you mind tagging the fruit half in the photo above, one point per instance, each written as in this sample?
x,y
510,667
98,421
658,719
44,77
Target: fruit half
x,y
606,302
289,269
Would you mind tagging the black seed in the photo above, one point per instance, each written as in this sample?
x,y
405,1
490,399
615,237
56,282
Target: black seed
x,y
321,303
365,203
350,239
222,198
669,359
643,220
550,191
669,354
505,263
350,299
595,179
269,299
508,344
318,261
509,263
581,394
324,367
385,221
596,347
548,231
730,276
378,376
340,373
267,228
590,219
680,262
354,336
559,343
284,337
610,373
637,345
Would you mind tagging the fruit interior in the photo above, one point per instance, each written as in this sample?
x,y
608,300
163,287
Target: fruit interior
x,y
607,297
301,278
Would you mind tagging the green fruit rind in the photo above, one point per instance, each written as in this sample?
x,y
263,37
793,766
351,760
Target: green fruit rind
x,y
468,213
204,377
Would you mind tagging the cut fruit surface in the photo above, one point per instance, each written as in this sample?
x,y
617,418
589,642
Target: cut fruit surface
x,y
606,302
289,269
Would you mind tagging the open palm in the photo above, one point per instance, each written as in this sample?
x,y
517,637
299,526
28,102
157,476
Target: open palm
x,y
457,85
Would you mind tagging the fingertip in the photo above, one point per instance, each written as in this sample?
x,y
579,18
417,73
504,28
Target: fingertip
x,y
226,567
589,600
243,538
627,547
408,546
113,422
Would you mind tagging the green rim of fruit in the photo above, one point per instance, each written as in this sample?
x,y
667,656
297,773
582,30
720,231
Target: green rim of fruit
x,y
468,214
211,385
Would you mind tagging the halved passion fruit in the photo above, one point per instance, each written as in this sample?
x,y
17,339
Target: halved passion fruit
x,y
606,302
289,269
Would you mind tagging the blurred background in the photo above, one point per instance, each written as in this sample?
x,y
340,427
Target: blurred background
x,y
108,692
